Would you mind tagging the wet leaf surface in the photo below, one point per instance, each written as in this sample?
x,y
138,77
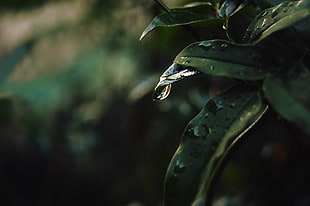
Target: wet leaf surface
x,y
205,140
276,18
222,58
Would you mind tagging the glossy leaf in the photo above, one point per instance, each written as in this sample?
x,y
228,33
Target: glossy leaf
x,y
194,7
275,19
177,18
9,61
230,7
206,138
222,58
290,96
265,4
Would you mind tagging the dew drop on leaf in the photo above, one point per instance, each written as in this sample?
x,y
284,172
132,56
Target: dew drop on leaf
x,y
274,12
162,92
201,131
264,23
214,106
232,104
179,167
205,45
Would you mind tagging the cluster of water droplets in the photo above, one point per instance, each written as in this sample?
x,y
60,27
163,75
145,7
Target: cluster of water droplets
x,y
174,73
207,45
269,17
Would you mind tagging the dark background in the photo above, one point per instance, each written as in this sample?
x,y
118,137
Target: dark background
x,y
78,125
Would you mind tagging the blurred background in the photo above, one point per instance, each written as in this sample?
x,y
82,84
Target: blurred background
x,y
77,122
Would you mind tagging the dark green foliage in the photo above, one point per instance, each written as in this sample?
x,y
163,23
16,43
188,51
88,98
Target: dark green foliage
x,y
278,73
205,141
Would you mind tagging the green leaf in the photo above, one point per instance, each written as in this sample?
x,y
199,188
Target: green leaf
x,y
275,19
264,4
9,61
176,18
195,7
290,96
222,122
222,58
230,7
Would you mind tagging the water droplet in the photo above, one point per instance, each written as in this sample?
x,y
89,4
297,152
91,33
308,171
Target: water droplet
x,y
205,45
224,46
232,104
264,13
212,67
174,73
275,12
179,167
214,106
187,62
264,23
162,92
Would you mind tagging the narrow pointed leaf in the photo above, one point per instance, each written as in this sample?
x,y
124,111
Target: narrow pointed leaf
x,y
275,19
222,58
290,97
205,140
177,18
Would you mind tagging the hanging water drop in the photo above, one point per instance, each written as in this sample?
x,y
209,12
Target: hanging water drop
x,y
179,167
224,46
162,92
205,45
174,73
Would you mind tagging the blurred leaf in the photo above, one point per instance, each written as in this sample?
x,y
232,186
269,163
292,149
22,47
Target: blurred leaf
x,y
176,18
222,122
289,96
223,58
9,61
276,18
230,7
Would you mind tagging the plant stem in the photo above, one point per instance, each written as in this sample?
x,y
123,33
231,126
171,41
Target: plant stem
x,y
162,6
